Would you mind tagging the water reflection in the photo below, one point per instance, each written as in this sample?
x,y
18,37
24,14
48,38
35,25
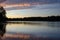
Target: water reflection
x,y
2,29
53,24
39,30
30,30
49,24
26,22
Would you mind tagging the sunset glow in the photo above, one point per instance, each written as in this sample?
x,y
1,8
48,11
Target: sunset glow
x,y
24,8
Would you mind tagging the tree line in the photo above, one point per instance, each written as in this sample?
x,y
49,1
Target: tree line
x,y
3,17
49,18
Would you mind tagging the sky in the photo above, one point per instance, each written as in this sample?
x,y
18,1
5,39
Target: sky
x,y
31,8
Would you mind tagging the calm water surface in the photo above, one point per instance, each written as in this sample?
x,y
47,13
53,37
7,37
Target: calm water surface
x,y
36,29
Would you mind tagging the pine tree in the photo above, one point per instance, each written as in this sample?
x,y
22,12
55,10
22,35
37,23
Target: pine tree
x,y
2,14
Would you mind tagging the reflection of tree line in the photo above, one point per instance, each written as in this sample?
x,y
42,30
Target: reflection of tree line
x,y
2,30
25,22
49,18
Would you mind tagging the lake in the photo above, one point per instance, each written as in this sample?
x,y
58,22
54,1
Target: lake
x,y
32,30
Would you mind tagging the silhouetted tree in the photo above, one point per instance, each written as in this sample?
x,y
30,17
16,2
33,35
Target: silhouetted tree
x,y
2,14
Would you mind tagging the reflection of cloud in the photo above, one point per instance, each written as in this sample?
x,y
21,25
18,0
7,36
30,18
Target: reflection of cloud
x,y
18,36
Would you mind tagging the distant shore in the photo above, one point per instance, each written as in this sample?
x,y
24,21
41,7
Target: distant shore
x,y
49,18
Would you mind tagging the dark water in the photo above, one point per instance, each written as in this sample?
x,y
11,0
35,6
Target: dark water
x,y
35,29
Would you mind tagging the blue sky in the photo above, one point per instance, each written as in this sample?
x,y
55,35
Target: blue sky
x,y
28,8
